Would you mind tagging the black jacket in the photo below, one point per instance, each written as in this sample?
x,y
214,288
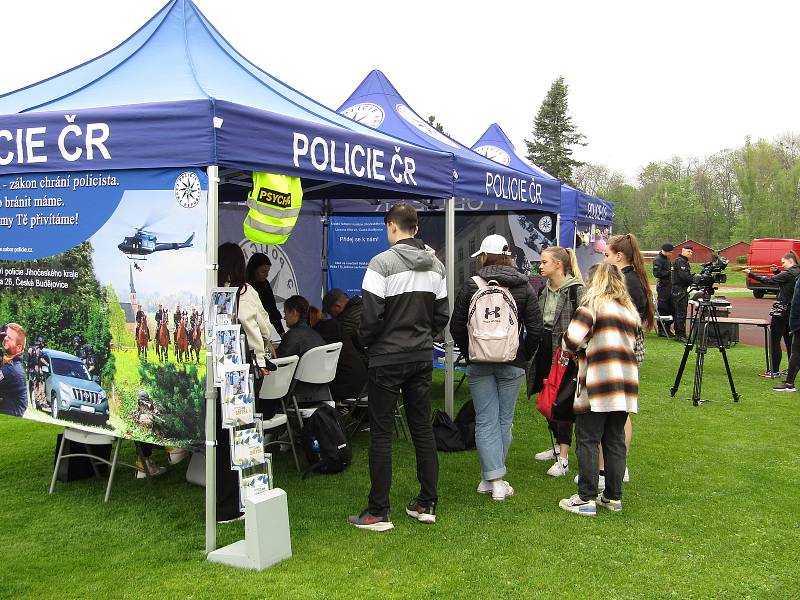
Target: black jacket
x,y
682,276
785,281
351,372
267,297
299,340
527,308
405,304
636,291
662,270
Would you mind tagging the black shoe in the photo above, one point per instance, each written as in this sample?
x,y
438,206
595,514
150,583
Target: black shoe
x,y
424,513
680,339
366,520
662,334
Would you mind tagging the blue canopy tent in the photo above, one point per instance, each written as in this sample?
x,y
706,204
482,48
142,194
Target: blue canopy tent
x,y
378,104
177,94
575,205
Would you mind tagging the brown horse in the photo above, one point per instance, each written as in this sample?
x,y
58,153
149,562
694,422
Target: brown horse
x,y
182,341
162,340
196,341
143,338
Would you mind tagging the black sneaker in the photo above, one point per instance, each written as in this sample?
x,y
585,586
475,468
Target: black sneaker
x,y
424,513
680,339
366,520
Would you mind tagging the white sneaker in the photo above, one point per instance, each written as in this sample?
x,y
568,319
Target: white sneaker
x,y
559,468
574,504
501,490
485,487
549,454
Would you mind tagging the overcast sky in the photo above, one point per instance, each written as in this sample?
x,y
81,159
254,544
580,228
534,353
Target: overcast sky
x,y
648,80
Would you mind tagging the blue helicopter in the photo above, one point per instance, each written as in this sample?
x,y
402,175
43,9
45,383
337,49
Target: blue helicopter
x,y
143,243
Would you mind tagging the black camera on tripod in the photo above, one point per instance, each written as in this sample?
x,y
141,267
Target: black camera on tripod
x,y
711,273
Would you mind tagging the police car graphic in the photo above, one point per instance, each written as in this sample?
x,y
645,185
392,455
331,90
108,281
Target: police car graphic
x,y
71,393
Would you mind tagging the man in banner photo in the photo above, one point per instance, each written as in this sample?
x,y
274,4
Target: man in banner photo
x,y
13,389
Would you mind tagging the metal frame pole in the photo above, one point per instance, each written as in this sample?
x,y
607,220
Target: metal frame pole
x,y
449,250
558,229
211,396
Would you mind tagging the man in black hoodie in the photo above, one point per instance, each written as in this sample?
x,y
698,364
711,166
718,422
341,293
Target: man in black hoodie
x,y
404,308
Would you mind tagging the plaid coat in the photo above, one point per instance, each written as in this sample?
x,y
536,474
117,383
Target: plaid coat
x,y
608,376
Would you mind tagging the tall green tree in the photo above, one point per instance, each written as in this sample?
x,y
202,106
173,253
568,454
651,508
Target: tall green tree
x,y
554,135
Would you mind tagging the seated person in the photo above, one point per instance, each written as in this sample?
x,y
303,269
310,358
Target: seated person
x,y
351,372
299,339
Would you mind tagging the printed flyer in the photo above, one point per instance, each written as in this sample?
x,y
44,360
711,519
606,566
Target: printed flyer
x,y
101,284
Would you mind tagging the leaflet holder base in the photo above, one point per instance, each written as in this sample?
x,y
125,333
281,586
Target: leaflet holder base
x,y
267,541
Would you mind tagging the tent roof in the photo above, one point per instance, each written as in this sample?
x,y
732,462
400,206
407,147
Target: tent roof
x,y
574,204
218,106
377,103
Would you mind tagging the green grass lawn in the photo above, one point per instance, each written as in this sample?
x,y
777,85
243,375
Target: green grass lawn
x,y
709,513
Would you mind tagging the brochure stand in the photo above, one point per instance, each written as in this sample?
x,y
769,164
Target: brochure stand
x,y
266,510
266,534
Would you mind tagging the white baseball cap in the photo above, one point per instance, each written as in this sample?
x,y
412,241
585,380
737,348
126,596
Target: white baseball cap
x,y
493,244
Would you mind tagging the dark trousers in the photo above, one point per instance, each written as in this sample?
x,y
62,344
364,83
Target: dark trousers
x,y
779,330
606,429
794,358
665,307
227,479
385,385
680,302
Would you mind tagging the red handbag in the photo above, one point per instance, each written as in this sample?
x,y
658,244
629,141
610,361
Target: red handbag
x,y
554,382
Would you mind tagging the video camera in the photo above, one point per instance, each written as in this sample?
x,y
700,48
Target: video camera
x,y
711,273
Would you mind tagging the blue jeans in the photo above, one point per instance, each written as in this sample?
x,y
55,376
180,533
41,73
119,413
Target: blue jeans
x,y
494,388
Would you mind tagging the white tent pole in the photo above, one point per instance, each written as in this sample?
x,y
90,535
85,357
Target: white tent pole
x,y
449,249
212,221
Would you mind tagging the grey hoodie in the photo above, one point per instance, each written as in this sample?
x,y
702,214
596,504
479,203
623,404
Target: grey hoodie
x,y
405,304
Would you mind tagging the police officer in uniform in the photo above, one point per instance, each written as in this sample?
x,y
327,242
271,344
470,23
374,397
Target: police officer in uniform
x,y
682,278
662,271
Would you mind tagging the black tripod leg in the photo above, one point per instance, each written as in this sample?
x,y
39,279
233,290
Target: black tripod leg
x,y
686,350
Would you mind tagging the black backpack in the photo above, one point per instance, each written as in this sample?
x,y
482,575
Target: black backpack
x,y
465,421
446,433
324,443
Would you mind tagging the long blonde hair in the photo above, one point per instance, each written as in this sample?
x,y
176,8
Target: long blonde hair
x,y
569,263
606,284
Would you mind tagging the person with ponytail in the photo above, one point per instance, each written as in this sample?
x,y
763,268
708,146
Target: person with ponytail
x,y
559,299
299,339
608,387
623,251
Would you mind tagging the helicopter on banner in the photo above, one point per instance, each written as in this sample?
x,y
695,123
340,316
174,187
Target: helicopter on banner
x,y
143,243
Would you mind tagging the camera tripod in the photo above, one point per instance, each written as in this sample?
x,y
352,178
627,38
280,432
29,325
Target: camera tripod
x,y
698,339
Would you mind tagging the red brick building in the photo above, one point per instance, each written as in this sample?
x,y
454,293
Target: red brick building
x,y
734,251
702,253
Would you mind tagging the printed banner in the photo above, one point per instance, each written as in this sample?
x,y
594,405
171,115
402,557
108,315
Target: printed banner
x,y
296,265
101,284
352,242
590,244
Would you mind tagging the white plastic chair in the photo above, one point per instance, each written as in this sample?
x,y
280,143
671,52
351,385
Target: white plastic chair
x,y
662,321
276,386
317,365
90,439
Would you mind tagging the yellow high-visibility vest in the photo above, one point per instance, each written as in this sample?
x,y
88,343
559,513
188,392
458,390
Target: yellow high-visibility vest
x,y
274,205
